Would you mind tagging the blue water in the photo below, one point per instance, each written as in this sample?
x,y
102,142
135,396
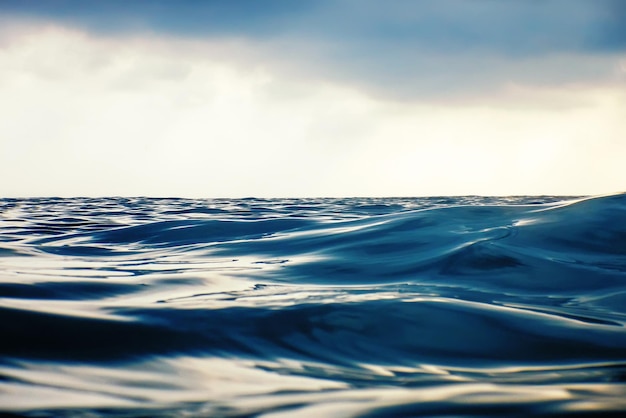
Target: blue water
x,y
451,306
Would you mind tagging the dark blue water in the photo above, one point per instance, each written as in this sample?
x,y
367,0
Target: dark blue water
x,y
313,307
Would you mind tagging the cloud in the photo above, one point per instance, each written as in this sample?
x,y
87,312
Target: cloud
x,y
612,35
399,49
508,27
85,114
311,98
185,17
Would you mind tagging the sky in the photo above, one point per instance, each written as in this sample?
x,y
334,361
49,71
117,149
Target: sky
x,y
283,98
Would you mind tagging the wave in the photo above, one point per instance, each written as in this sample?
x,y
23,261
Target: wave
x,y
392,307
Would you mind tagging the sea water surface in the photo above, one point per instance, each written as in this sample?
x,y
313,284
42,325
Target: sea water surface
x,y
447,306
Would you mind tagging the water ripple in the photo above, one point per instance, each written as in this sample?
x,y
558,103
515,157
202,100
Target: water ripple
x,y
279,307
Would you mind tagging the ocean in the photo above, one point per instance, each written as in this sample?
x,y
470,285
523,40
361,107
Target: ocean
x,y
355,307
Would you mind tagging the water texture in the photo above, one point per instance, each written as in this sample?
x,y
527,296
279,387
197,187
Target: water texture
x,y
448,306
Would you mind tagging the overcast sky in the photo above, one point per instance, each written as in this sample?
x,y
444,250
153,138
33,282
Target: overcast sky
x,y
284,98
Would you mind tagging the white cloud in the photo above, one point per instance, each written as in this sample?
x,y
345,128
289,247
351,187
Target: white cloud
x,y
86,115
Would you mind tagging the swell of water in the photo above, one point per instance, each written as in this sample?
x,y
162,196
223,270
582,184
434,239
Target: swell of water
x,y
313,307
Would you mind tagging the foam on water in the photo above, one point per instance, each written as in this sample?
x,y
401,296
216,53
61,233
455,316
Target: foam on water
x,y
313,307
